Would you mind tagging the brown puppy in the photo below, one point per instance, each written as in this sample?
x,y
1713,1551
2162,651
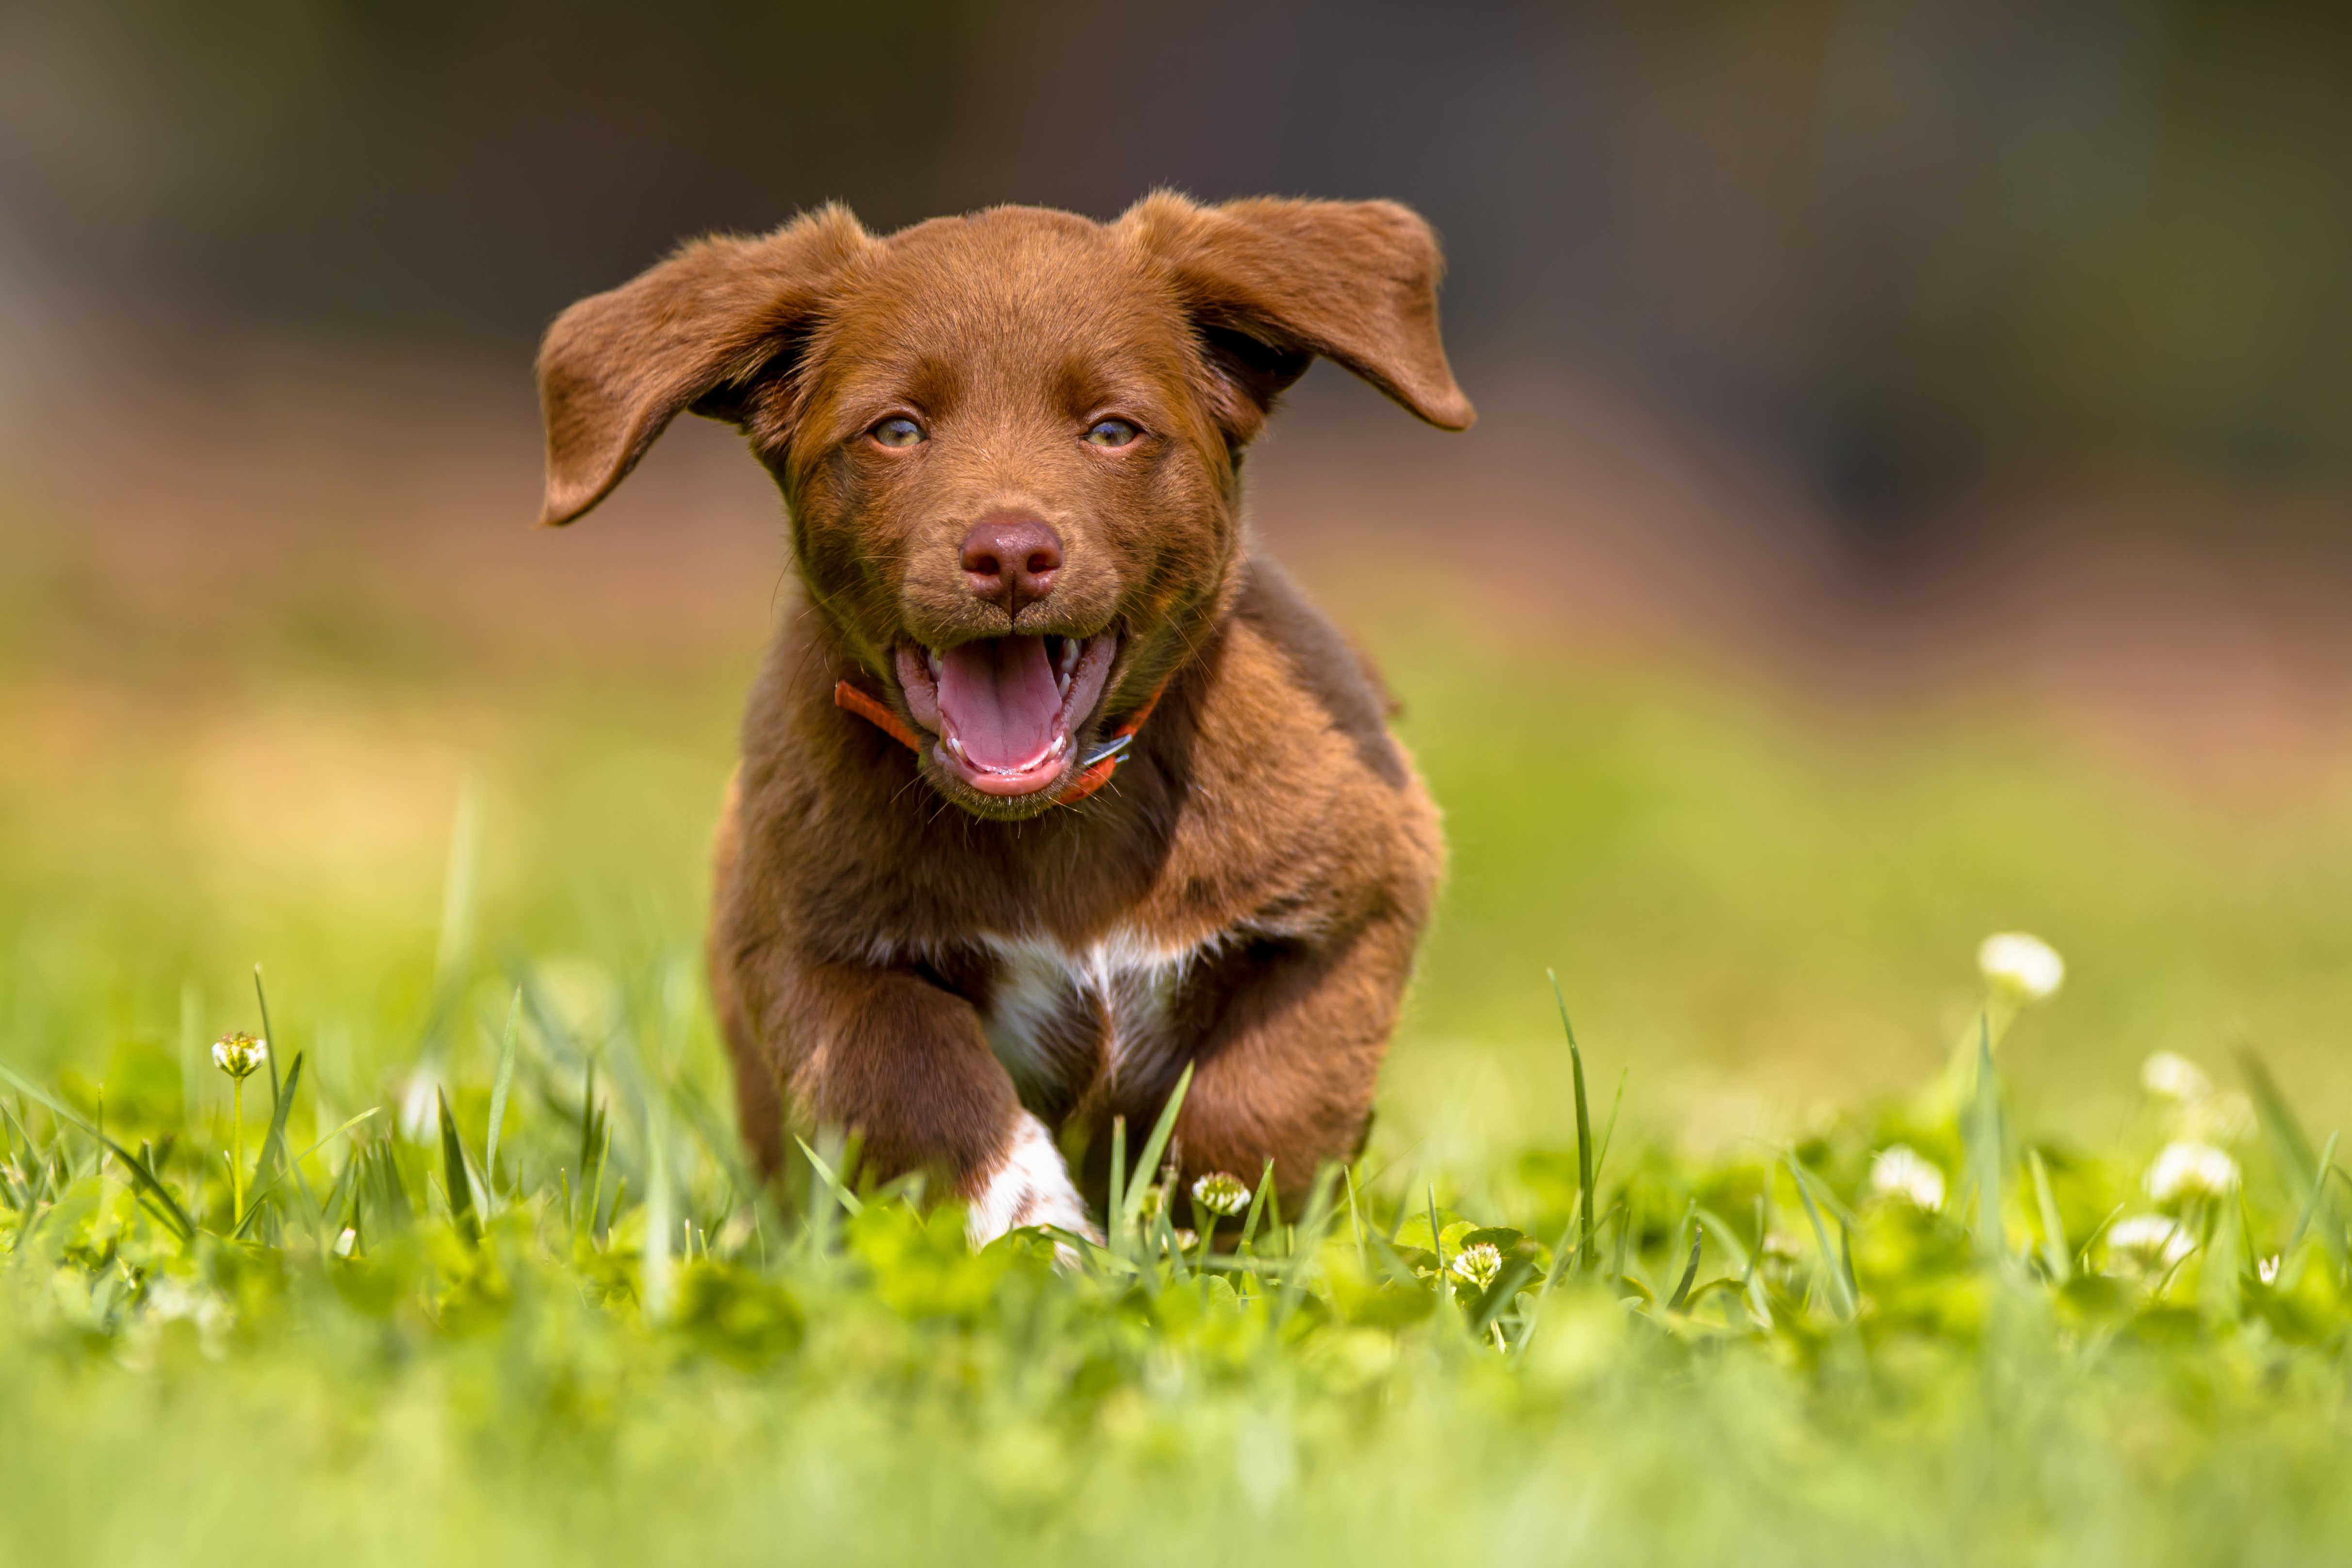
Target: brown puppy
x,y
951,913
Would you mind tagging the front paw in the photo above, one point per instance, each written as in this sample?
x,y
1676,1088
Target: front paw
x,y
1030,1185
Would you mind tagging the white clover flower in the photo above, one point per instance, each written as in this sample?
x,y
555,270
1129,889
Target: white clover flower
x,y
1902,1172
2148,1240
346,1241
2267,1269
2190,1170
239,1055
1187,1238
2168,1075
2021,969
1220,1192
1478,1263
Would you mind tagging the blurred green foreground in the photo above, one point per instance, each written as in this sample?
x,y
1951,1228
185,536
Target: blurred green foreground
x,y
1831,1294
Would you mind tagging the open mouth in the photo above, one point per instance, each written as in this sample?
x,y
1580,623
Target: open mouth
x,y
1005,707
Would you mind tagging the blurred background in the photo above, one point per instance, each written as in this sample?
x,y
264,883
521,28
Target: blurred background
x,y
1911,500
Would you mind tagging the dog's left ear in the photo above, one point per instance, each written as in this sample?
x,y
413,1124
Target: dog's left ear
x,y
695,333
1271,284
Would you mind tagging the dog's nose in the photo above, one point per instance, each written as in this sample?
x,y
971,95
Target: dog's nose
x,y
1010,559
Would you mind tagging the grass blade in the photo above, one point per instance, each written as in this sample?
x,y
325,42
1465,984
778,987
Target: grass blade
x,y
850,1202
144,1178
1257,1206
1984,1140
1170,1244
1830,1262
254,1206
453,1174
600,1218
1118,1177
498,1086
1437,1246
2054,1230
2318,1195
1311,1225
2083,1253
1085,1247
1583,1129
269,1033
273,1146
1148,1165
2278,1115
1356,1222
1608,1134
1751,1286
1563,1256
1499,1296
2293,1146
588,1140
1690,1274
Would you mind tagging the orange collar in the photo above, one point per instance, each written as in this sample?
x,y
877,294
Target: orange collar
x,y
1092,777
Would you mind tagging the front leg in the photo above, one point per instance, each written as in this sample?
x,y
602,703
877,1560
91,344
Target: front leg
x,y
1287,1069
890,1055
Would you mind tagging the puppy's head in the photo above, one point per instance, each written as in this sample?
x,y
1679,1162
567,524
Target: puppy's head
x,y
1010,442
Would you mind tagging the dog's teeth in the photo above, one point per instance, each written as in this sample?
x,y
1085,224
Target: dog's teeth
x,y
954,746
1061,743
1063,680
931,654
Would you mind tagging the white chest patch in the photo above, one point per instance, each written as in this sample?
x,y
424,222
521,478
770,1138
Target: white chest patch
x,y
1053,1012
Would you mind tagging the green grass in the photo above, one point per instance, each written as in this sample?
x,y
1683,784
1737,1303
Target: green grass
x,y
615,1346
413,1351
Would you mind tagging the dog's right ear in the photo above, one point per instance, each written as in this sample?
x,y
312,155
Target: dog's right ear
x,y
692,332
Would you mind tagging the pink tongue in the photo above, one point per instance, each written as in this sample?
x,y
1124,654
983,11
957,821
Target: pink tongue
x,y
999,699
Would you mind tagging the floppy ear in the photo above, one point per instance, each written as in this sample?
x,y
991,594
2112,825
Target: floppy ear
x,y
692,332
1273,284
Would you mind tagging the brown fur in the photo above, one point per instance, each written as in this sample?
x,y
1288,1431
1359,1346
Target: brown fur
x,y
1265,847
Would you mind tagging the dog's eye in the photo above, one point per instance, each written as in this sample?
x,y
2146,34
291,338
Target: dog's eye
x,y
1113,433
897,431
